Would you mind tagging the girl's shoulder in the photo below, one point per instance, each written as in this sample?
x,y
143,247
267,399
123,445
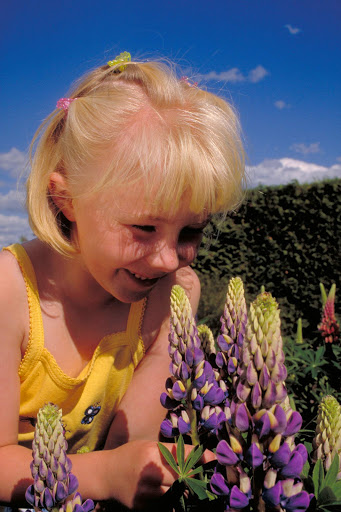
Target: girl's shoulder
x,y
11,278
14,314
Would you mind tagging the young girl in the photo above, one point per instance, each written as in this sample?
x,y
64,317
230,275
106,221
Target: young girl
x,y
124,179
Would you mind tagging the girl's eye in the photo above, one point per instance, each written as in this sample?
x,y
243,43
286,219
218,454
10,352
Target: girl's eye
x,y
191,234
146,229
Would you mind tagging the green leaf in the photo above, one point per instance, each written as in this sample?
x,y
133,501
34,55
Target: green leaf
x,y
323,295
198,487
169,457
180,454
211,496
305,470
319,353
193,457
332,472
332,507
326,497
337,489
318,477
182,504
195,471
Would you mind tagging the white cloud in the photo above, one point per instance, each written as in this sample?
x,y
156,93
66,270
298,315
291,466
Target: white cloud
x,y
14,161
314,147
12,227
13,218
232,75
280,104
235,75
257,74
13,201
285,170
293,30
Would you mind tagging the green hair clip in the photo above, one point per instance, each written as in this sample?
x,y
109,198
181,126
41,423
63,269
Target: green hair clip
x,y
122,57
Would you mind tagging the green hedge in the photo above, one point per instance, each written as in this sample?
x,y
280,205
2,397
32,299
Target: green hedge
x,y
286,238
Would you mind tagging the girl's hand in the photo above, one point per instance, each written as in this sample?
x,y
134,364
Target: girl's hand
x,y
138,474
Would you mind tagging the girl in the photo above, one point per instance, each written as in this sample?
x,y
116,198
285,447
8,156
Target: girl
x,y
124,179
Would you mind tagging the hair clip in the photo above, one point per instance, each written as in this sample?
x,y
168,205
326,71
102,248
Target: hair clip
x,y
187,81
122,57
64,103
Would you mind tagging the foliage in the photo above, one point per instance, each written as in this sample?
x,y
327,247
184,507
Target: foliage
x,y
186,469
313,368
286,238
326,488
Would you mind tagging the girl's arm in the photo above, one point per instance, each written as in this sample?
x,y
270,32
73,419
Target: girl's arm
x,y
140,413
14,460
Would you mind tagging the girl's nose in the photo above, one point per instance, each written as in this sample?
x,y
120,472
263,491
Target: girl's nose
x,y
164,259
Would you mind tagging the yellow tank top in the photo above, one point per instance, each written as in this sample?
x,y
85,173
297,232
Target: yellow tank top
x,y
89,401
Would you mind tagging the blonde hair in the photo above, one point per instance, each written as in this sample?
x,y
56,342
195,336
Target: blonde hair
x,y
174,136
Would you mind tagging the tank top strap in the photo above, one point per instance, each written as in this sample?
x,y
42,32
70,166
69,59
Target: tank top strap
x,y
134,330
36,335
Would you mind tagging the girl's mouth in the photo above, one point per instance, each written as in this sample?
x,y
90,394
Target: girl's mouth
x,y
142,280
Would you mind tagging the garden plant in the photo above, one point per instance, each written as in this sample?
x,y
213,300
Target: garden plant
x,y
269,409
232,395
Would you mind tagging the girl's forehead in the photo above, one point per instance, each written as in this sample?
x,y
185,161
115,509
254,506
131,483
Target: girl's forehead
x,y
131,201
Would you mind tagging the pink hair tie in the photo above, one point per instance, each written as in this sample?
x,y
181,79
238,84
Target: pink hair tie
x,y
187,81
64,103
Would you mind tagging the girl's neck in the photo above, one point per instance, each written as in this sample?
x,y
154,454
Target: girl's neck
x,y
65,280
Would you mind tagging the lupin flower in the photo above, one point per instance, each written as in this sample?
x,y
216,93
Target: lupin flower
x,y
233,324
259,436
207,340
262,372
329,326
51,467
193,393
327,441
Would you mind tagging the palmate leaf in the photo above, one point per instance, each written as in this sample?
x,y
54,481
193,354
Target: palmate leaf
x,y
183,467
186,468
198,487
193,458
195,471
169,457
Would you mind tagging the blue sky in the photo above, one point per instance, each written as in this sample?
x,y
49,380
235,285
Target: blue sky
x,y
278,61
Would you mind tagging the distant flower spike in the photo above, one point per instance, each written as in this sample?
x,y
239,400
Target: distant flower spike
x,y
327,441
329,327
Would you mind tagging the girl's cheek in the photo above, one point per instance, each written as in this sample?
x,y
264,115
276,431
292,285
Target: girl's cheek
x,y
188,252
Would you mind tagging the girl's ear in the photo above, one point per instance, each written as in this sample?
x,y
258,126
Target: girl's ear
x,y
60,195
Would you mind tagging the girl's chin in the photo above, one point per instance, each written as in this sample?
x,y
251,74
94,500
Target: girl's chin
x,y
133,289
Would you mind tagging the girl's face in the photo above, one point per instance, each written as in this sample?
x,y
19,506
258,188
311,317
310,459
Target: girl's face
x,y
126,246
